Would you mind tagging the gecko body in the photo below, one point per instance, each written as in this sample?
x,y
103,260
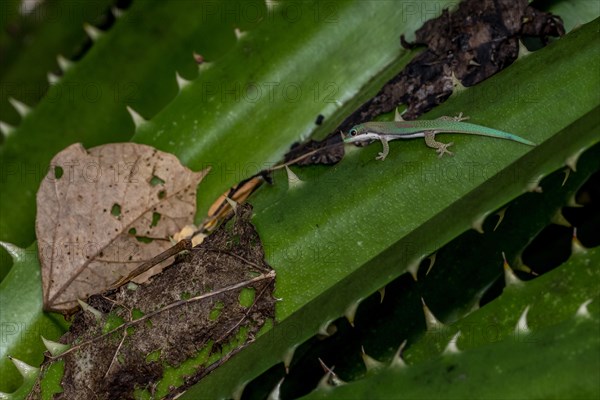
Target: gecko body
x,y
427,129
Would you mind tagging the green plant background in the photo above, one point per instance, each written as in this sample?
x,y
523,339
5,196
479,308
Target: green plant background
x,y
348,230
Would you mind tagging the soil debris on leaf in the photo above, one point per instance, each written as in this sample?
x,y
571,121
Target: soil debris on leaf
x,y
193,305
103,211
472,43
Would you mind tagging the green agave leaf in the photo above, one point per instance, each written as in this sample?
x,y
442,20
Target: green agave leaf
x,y
52,28
465,273
132,64
268,92
494,358
22,321
348,230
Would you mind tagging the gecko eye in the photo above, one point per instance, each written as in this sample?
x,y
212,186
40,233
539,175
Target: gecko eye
x,y
353,132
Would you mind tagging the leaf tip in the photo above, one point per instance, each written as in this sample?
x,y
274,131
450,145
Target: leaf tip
x,y
26,370
63,63
451,347
181,82
583,311
15,252
21,108
370,363
138,120
55,348
93,33
431,320
6,129
510,279
522,327
86,307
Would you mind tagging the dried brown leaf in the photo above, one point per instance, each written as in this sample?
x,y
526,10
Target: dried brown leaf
x,y
192,306
103,211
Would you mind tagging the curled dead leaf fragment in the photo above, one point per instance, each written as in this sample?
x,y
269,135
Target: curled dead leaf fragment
x,y
103,211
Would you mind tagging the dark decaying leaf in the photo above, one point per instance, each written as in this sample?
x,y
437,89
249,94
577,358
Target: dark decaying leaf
x,y
474,42
191,305
103,211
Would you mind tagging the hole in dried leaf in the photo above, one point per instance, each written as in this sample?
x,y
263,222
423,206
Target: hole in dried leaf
x,y
162,194
116,210
156,181
132,231
144,239
216,311
155,218
58,172
247,297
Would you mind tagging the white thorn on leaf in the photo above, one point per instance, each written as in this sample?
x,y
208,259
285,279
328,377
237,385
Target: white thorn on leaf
x,y
500,214
63,63
534,185
93,32
237,393
232,203
522,328
572,202
271,4
276,392
239,33
397,360
288,356
576,246
456,84
432,259
330,379
523,52
117,12
571,161
451,347
55,348
6,129
52,78
181,83
431,321
477,223
398,115
370,363
26,370
350,312
293,180
199,58
559,219
582,311
381,294
510,279
21,108
86,307
567,172
327,328
138,120
413,267
15,252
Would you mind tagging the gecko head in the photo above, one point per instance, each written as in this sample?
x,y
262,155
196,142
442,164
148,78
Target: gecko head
x,y
354,134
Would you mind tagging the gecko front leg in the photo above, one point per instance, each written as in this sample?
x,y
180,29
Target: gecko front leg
x,y
386,149
441,148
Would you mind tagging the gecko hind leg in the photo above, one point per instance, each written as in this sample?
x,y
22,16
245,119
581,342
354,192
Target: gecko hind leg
x,y
441,148
458,118
386,149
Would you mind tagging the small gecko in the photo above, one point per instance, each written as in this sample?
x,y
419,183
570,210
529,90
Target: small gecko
x,y
392,130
